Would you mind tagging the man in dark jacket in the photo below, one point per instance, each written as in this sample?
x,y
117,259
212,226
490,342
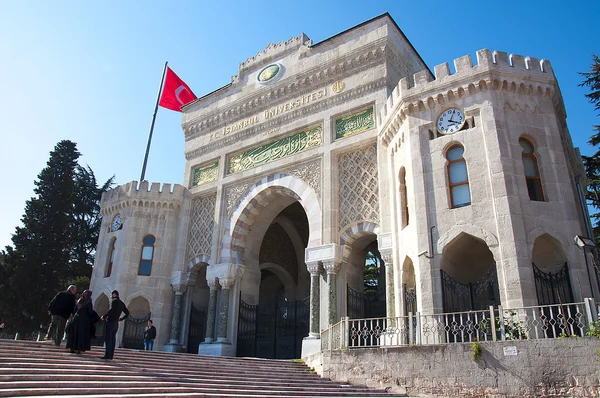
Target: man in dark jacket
x,y
112,318
61,308
149,336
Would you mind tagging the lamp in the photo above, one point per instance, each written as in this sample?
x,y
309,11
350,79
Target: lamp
x,y
584,242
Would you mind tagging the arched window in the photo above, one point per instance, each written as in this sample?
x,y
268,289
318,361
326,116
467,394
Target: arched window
x,y
111,255
147,255
532,172
458,177
403,198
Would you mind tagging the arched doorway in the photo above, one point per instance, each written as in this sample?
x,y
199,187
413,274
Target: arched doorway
x,y
136,323
273,315
469,278
365,276
409,287
551,272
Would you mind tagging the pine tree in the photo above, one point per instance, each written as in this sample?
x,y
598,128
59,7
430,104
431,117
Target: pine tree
x,y
56,242
592,163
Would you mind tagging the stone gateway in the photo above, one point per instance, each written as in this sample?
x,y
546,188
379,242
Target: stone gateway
x,y
344,178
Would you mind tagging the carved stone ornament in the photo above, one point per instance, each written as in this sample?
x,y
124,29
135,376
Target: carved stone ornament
x,y
213,283
331,266
226,283
179,289
359,187
201,226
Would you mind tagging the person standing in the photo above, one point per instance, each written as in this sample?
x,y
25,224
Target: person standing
x,y
61,307
149,336
79,333
112,318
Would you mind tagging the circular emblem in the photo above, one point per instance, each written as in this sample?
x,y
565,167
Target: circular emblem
x,y
268,73
338,86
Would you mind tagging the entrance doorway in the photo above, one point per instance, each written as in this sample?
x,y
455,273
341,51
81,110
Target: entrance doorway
x,y
366,299
273,321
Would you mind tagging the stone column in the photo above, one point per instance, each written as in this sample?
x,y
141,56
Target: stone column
x,y
212,310
315,302
390,305
332,267
173,345
226,284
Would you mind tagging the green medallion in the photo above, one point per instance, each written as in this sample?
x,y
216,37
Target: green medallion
x,y
206,174
355,123
290,145
268,73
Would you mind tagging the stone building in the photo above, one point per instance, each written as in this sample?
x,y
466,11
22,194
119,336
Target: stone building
x,y
344,178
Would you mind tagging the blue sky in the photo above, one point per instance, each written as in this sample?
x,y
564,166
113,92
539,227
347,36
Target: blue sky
x,y
90,71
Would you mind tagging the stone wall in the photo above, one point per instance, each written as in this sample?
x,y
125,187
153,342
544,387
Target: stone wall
x,y
559,367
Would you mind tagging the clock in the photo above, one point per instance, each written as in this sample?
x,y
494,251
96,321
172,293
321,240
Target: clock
x,y
450,121
116,223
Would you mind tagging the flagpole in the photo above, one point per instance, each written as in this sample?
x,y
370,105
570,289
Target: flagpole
x,y
152,125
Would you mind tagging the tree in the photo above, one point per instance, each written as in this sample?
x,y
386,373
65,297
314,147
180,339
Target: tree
x,y
592,163
56,241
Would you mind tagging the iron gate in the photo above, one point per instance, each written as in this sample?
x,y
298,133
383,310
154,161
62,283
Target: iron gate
x,y
365,305
553,288
197,329
133,334
458,296
100,334
274,329
410,299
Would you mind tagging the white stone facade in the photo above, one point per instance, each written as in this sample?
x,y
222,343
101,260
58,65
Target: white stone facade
x,y
289,180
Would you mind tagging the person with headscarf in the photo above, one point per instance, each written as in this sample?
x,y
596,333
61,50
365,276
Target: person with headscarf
x,y
79,329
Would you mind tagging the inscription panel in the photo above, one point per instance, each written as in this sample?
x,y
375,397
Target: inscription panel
x,y
281,148
355,123
205,174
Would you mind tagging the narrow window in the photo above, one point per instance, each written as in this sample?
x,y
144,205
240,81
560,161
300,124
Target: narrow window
x,y
111,255
532,172
403,197
458,178
147,255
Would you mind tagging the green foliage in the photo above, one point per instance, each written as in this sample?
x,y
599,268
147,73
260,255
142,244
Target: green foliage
x,y
476,351
593,329
592,163
55,244
513,330
372,269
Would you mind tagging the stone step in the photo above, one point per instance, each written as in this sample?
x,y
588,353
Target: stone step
x,y
24,392
30,369
76,376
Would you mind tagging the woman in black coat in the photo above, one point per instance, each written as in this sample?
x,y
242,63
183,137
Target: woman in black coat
x,y
79,333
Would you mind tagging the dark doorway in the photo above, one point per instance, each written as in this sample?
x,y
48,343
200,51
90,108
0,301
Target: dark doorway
x,y
197,330
133,334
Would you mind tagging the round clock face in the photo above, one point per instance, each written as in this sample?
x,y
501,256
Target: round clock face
x,y
450,121
116,223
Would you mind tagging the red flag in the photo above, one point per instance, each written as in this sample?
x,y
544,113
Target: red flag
x,y
175,93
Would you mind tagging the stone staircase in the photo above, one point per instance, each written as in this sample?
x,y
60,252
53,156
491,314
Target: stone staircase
x,y
40,369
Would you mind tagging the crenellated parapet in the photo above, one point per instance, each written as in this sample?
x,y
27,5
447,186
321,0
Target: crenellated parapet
x,y
494,71
152,196
275,50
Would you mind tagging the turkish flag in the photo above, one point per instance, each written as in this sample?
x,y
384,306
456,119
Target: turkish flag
x,y
175,93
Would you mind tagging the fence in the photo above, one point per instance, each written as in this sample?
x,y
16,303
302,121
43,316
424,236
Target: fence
x,y
493,324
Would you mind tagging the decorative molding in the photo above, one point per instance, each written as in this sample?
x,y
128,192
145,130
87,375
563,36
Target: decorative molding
x,y
276,122
320,76
308,172
202,216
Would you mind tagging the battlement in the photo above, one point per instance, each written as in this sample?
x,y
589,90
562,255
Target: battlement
x,y
144,190
499,61
273,50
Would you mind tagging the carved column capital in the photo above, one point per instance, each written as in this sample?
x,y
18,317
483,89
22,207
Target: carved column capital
x,y
313,268
226,283
387,257
213,283
331,266
179,288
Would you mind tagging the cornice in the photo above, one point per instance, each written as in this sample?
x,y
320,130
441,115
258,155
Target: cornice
x,y
145,204
303,83
232,139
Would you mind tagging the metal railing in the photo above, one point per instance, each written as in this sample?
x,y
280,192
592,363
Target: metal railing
x,y
493,324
